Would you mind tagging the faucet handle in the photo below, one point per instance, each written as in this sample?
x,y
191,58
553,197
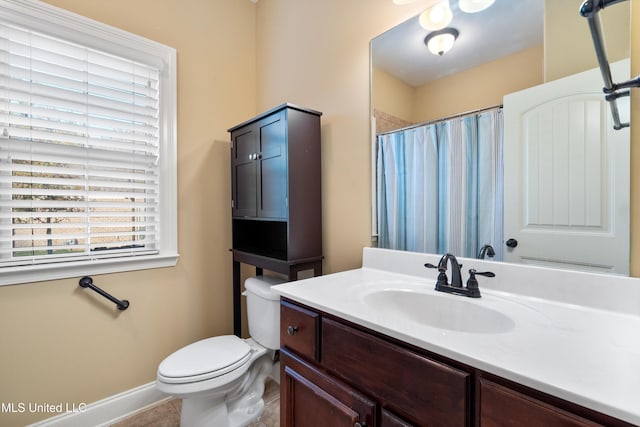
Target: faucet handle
x,y
481,273
472,283
442,277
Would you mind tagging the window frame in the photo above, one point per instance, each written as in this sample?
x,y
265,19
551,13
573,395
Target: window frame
x,y
75,28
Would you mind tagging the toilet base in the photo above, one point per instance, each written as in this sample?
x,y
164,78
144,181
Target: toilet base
x,y
237,406
203,412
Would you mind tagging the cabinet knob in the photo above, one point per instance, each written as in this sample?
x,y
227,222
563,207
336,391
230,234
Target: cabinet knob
x,y
359,424
292,330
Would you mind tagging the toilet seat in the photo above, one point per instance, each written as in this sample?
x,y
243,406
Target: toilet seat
x,y
204,360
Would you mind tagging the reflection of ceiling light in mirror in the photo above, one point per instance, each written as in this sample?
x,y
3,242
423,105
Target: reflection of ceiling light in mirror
x,y
472,6
436,17
440,42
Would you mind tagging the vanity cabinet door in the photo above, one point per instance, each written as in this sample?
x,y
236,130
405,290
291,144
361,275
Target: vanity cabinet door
x,y
418,389
501,406
388,419
309,398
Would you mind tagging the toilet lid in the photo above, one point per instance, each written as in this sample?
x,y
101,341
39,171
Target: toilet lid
x,y
205,359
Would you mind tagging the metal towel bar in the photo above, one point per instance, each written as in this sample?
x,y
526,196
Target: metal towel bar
x,y
589,10
87,282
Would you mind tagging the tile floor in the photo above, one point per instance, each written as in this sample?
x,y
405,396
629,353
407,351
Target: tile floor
x,y
167,414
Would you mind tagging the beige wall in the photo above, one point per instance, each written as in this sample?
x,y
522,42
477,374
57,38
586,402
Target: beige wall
x,y
479,87
61,343
568,46
391,95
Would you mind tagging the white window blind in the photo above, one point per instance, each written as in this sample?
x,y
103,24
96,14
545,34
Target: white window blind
x,y
79,152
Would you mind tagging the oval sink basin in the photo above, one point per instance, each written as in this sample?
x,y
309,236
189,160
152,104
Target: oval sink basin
x,y
454,313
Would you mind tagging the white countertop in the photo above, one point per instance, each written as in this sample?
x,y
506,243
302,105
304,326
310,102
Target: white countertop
x,y
574,335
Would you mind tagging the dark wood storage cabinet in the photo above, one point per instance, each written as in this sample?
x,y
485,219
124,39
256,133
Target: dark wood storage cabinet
x,y
276,195
335,373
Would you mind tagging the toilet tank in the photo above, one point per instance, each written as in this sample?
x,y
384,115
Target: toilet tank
x,y
263,310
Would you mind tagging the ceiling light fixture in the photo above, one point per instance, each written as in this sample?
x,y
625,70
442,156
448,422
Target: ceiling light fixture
x,y
436,17
440,42
473,6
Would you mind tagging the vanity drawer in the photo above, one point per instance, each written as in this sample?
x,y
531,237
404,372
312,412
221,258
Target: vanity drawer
x,y
421,390
299,330
502,406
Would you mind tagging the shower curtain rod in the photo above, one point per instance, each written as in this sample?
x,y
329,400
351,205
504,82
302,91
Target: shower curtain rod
x,y
443,119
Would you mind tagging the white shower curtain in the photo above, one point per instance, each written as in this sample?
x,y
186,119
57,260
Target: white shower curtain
x,y
440,186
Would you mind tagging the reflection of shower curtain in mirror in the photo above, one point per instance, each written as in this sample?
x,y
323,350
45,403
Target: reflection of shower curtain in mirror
x,y
440,186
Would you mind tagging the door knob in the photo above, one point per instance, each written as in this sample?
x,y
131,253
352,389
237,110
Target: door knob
x,y
292,330
512,243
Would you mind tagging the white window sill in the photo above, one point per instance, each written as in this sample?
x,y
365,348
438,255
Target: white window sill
x,y
65,270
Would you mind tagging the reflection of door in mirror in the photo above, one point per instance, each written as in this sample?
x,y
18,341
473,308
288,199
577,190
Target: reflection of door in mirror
x,y
567,199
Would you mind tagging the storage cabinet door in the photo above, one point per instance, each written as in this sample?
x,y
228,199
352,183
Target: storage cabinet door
x,y
243,169
272,167
309,398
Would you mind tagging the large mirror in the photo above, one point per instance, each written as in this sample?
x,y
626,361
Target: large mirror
x,y
503,50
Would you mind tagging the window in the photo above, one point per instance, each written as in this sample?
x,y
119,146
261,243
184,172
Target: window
x,y
87,147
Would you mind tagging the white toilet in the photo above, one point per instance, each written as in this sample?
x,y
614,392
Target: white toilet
x,y
221,379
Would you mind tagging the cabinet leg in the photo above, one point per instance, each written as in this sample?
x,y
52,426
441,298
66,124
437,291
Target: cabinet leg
x,y
317,269
237,307
315,266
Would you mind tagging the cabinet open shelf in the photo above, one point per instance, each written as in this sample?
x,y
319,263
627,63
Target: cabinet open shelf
x,y
272,241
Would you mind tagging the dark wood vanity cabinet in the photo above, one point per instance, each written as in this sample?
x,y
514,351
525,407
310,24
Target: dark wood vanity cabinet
x,y
335,373
276,195
375,374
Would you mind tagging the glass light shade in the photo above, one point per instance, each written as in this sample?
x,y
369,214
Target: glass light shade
x,y
436,17
473,6
441,41
441,44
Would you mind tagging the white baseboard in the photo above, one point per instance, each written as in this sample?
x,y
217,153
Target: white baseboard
x,y
109,410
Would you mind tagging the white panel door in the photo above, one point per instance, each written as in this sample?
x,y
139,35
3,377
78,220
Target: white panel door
x,y
566,169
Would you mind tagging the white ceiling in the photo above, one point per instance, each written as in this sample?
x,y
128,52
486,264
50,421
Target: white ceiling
x,y
506,27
